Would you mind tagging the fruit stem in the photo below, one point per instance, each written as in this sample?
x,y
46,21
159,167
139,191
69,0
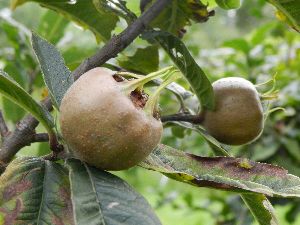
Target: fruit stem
x,y
132,85
54,144
151,105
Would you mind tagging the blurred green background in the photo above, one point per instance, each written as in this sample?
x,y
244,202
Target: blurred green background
x,y
248,42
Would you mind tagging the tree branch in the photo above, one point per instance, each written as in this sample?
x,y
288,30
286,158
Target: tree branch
x,y
195,119
42,137
120,42
3,127
24,134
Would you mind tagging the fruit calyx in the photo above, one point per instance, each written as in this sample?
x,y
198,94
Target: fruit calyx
x,y
139,98
134,88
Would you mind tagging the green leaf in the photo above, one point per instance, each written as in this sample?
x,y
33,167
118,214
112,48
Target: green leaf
x,y
179,14
84,196
74,55
261,152
226,173
261,209
52,26
229,4
12,90
35,191
117,7
187,65
292,146
12,112
101,198
259,205
288,11
238,44
144,60
179,90
260,34
218,148
57,76
81,11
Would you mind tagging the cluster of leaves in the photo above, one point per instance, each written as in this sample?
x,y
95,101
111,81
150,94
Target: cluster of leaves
x,y
24,176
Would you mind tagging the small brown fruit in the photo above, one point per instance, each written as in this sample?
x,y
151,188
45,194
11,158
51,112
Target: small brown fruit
x,y
102,125
238,115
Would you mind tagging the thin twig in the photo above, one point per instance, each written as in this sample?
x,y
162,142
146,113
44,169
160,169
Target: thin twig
x,y
41,137
23,135
120,42
3,127
195,119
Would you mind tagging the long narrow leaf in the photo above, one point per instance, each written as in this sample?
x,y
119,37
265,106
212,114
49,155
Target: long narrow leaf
x,y
288,11
227,173
180,55
231,174
56,75
13,91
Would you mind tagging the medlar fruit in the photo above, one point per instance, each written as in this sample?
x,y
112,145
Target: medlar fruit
x,y
104,124
238,116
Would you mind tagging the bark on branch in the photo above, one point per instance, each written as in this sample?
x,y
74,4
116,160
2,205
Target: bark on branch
x,y
120,42
195,119
3,127
23,135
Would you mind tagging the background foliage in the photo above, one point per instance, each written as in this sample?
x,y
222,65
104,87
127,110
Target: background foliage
x,y
247,42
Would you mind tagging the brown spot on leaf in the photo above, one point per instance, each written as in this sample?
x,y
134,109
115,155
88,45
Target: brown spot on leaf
x,y
232,166
65,196
206,183
57,221
10,217
16,189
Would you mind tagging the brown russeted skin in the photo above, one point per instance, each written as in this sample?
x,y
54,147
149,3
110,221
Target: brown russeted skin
x,y
238,115
102,126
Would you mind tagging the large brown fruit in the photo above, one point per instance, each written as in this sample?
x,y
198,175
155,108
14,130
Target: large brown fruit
x,y
238,115
102,126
